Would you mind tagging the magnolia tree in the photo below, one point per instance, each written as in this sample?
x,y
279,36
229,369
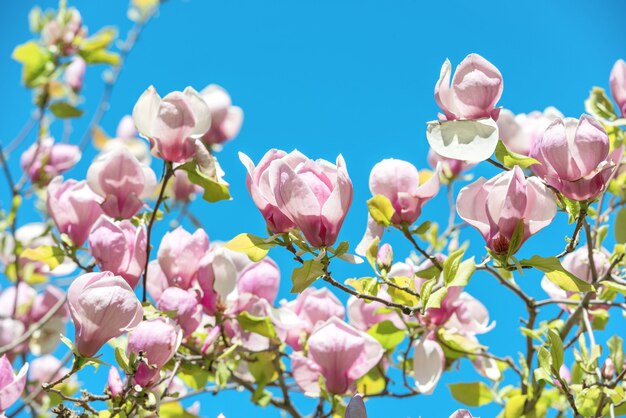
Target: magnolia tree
x,y
189,318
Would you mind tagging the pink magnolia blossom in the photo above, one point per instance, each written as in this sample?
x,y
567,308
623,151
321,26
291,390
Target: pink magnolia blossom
x,y
495,207
159,340
115,385
356,408
608,368
102,306
180,255
182,189
449,167
470,316
476,88
339,353
64,30
47,160
11,385
173,123
398,181
184,303
74,208
122,181
75,73
312,307
157,282
25,298
574,156
126,137
461,413
226,119
290,189
261,279
47,369
46,338
428,364
119,247
363,315
617,82
519,132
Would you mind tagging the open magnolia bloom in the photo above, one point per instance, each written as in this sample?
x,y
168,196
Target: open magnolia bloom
x,y
11,385
339,353
467,129
495,207
173,123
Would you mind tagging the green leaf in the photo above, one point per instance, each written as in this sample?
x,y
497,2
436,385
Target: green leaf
x,y
516,239
402,296
620,226
50,256
194,376
509,158
598,104
122,360
254,247
556,349
365,285
616,352
451,265
101,39
101,56
214,191
256,324
64,110
303,277
261,366
387,334
174,410
464,273
372,383
372,251
37,62
514,406
435,299
381,209
555,272
587,401
471,394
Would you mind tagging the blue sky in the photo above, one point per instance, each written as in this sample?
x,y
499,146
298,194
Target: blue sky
x,y
350,77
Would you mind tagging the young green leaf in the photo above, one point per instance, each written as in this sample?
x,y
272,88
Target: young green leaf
x,y
472,394
381,209
555,272
254,247
303,277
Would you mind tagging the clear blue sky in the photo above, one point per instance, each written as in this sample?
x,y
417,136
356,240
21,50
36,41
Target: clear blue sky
x,y
350,77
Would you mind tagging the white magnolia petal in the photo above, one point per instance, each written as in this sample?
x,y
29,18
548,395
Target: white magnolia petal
x,y
468,140
145,111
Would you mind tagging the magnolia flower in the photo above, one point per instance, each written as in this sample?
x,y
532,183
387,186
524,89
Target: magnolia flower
x,y
115,385
356,408
461,413
450,168
470,316
617,82
578,264
495,207
519,132
64,30
290,189
261,279
159,340
574,157
467,129
180,255
182,189
126,137
400,182
428,364
75,73
11,385
184,304
122,181
102,306
74,208
339,353
119,247
312,307
226,119
46,160
172,124
46,338
363,315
